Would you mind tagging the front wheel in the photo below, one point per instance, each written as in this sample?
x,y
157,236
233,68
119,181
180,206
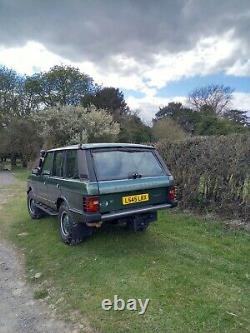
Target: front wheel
x,y
72,233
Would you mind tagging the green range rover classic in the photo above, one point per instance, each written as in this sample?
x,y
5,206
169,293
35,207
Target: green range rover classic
x,y
87,185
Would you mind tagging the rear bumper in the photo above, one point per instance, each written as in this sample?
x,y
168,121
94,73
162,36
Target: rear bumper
x,y
97,217
124,213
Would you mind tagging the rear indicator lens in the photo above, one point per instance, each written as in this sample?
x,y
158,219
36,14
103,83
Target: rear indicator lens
x,y
91,204
172,194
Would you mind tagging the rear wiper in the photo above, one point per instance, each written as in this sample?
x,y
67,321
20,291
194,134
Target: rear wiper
x,y
134,175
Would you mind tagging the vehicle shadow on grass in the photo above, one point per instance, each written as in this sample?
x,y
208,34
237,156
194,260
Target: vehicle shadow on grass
x,y
112,236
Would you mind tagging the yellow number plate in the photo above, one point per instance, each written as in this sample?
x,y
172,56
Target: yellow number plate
x,y
135,198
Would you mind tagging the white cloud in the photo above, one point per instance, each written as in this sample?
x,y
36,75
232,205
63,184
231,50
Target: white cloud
x,y
239,68
204,59
126,72
241,101
149,105
28,59
208,56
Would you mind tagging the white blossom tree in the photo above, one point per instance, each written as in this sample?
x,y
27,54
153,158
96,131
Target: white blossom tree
x,y
74,124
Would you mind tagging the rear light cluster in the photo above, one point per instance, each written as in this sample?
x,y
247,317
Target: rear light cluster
x,y
91,204
172,194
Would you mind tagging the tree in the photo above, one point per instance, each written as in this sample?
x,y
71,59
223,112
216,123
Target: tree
x,y
3,144
98,126
134,130
13,101
23,140
185,117
210,124
169,130
237,116
170,110
204,122
110,99
215,96
61,85
69,124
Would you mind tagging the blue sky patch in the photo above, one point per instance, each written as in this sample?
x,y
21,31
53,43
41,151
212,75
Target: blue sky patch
x,y
184,86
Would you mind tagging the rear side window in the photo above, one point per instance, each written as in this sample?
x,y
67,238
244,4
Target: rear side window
x,y
125,164
47,164
58,164
71,167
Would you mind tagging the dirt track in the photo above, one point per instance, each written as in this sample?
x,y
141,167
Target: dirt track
x,y
19,312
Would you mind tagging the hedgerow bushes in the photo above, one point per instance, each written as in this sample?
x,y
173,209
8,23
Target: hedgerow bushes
x,y
212,173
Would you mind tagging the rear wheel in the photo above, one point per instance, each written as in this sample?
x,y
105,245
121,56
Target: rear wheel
x,y
72,233
137,224
34,211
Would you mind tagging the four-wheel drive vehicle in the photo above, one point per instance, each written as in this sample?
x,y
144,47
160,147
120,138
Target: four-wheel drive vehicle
x,y
87,185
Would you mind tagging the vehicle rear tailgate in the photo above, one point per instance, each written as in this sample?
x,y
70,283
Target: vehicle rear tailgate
x,y
112,192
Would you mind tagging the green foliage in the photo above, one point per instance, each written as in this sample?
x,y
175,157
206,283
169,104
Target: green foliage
x,y
183,116
171,110
205,121
134,130
210,124
13,100
109,99
23,140
169,130
237,116
61,85
212,173
3,142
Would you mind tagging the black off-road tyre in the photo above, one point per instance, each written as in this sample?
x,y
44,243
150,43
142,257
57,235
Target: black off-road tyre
x,y
72,233
34,211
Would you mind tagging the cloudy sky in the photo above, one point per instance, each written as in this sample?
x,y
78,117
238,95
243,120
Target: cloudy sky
x,y
155,51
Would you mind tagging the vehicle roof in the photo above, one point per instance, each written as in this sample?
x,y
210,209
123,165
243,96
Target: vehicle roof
x,y
103,145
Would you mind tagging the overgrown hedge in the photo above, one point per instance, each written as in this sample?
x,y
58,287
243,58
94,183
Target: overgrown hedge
x,y
212,173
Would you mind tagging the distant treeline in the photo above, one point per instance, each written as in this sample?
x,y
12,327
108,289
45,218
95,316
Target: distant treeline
x,y
63,106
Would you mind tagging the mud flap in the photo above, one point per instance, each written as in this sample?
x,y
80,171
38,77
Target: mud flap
x,y
81,230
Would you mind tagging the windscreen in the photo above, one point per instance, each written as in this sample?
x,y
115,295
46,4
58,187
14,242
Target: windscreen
x,y
126,164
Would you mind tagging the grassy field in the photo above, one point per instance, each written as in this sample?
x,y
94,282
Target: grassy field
x,y
195,272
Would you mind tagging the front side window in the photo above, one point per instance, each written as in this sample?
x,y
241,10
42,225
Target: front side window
x,y
71,168
47,164
58,164
126,164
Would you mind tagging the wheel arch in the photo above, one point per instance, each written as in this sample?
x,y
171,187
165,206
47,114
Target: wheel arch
x,y
29,189
59,202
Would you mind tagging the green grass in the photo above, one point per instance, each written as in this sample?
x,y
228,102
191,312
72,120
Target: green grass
x,y
40,293
196,273
21,174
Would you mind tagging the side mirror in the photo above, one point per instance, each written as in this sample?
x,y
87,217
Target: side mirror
x,y
36,171
42,153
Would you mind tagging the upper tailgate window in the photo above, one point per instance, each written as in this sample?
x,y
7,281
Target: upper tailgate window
x,y
125,164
